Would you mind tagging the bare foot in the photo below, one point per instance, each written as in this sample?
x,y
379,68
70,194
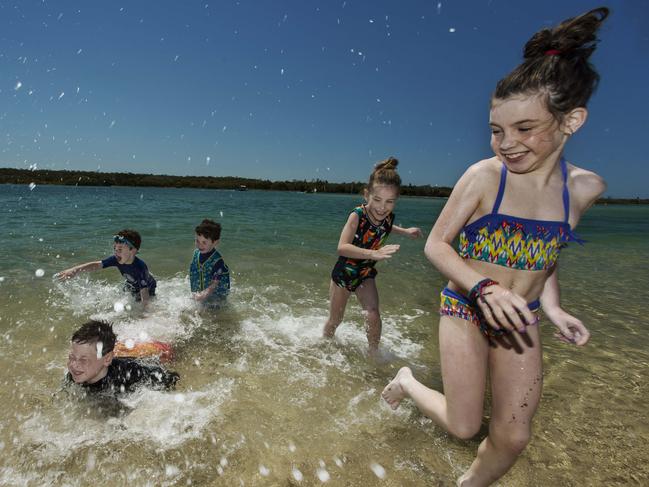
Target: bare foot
x,y
394,393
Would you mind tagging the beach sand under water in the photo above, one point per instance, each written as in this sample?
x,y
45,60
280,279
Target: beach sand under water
x,y
262,399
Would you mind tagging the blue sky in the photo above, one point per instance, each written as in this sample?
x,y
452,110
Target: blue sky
x,y
297,89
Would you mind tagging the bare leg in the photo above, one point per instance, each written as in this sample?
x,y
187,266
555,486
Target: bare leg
x,y
464,353
516,383
338,297
369,299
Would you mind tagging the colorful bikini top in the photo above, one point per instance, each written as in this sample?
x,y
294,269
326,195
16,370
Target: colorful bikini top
x,y
519,243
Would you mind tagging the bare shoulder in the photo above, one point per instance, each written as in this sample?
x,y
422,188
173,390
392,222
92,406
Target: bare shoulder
x,y
353,218
585,186
482,174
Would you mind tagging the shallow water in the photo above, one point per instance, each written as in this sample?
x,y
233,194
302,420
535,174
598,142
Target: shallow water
x,y
262,399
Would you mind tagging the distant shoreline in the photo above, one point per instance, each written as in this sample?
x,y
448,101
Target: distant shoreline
x,y
94,178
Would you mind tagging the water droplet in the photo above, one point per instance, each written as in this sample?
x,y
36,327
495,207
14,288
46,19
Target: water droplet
x,y
119,307
18,85
378,470
297,475
129,343
323,475
32,186
264,471
452,29
90,462
39,273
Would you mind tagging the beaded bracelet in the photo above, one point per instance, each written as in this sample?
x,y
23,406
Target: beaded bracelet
x,y
477,290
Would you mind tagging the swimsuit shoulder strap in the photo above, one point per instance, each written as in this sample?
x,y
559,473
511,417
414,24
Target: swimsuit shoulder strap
x,y
501,189
566,193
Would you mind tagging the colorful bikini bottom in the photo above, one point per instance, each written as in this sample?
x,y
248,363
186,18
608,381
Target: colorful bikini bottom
x,y
458,305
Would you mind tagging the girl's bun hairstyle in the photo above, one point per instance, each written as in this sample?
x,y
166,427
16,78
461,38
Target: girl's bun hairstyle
x,y
556,64
385,173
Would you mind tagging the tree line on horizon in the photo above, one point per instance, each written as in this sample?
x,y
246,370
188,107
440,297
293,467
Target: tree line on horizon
x,y
93,178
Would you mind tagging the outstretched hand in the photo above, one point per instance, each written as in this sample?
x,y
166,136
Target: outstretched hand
x,y
570,329
413,232
504,309
385,252
64,275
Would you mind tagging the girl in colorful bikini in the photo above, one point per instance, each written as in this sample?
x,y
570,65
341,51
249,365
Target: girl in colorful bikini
x,y
361,245
513,212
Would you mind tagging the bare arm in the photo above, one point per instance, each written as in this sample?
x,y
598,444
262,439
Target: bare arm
x,y
73,271
346,249
459,208
411,232
585,188
551,294
205,293
570,328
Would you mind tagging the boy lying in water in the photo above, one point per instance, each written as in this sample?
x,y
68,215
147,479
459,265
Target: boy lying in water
x,y
92,365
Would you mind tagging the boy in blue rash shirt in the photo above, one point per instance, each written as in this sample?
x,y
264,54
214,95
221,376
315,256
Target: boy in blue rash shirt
x,y
208,275
139,281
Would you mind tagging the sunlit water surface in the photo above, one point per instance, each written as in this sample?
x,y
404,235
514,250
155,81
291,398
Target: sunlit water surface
x,y
262,399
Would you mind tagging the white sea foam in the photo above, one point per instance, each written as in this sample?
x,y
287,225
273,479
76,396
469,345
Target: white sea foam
x,y
171,318
155,417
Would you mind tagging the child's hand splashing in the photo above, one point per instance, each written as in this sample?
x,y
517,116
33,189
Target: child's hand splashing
x,y
385,252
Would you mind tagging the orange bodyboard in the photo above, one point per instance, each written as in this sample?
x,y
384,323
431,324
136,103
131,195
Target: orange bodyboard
x,y
153,348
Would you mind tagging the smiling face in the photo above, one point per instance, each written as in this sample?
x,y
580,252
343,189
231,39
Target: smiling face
x,y
205,244
381,200
84,365
525,135
125,253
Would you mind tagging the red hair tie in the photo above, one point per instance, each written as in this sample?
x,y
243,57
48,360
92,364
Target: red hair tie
x,y
552,52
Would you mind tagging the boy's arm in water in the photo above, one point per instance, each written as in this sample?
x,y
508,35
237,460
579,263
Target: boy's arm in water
x,y
73,271
571,329
502,308
205,293
410,232
144,295
347,249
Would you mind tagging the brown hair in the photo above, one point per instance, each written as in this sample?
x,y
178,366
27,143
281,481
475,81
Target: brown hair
x,y
556,64
96,331
132,236
209,229
385,172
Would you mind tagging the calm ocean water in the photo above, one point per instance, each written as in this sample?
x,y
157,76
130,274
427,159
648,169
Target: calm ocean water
x,y
262,400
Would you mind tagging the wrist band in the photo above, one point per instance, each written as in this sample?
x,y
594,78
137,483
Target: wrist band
x,y
477,290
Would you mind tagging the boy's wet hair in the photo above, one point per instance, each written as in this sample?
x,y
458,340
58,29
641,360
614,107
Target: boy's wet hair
x,y
132,236
556,65
95,331
385,173
209,229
